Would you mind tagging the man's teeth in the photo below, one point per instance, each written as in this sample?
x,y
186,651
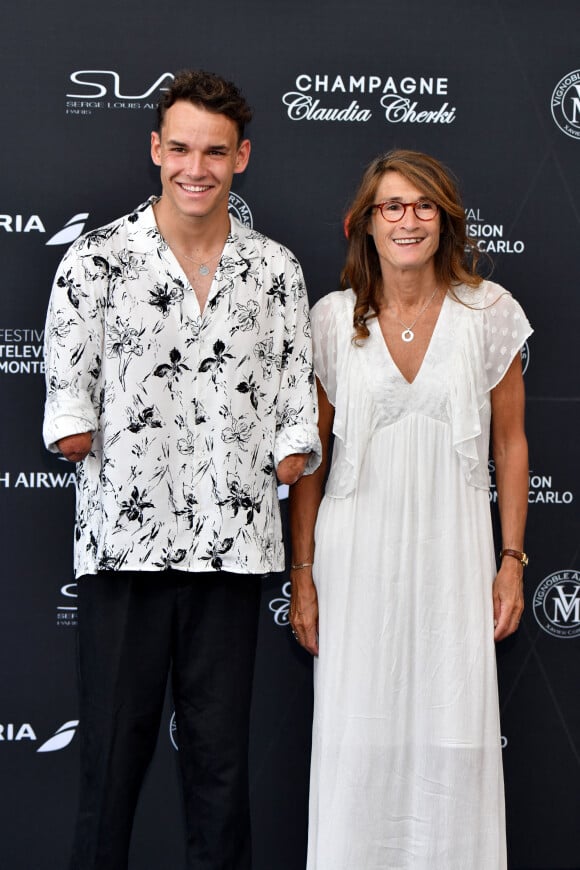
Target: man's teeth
x,y
195,188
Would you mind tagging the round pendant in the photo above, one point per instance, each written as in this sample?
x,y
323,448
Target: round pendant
x,y
408,335
203,270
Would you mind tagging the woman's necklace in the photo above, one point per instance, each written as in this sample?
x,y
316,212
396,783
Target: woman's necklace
x,y
203,268
408,334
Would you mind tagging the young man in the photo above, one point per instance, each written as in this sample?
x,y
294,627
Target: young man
x,y
179,379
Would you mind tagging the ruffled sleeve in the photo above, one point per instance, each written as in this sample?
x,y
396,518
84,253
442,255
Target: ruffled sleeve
x,y
336,367
325,343
490,329
506,329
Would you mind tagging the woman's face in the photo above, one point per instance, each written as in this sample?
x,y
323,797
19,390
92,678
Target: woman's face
x,y
409,243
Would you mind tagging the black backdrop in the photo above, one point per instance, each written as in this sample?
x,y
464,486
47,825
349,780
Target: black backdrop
x,y
491,88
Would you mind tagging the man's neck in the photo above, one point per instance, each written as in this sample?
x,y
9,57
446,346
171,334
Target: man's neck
x,y
192,235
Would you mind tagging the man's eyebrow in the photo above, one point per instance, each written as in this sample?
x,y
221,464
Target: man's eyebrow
x,y
222,146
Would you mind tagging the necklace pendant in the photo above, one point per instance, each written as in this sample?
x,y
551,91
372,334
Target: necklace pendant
x,y
203,270
407,335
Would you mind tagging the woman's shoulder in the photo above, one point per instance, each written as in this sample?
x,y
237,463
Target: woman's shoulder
x,y
490,316
336,300
480,298
334,310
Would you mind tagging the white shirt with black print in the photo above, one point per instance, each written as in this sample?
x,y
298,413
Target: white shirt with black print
x,y
191,412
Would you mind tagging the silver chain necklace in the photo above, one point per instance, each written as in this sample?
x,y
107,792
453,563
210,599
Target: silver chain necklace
x,y
407,333
203,268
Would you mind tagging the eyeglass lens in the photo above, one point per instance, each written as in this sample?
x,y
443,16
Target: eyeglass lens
x,y
394,211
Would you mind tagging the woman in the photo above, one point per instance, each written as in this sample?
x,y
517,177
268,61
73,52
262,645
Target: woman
x,y
403,602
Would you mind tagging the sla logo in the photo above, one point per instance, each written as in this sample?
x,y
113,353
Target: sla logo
x,y
66,614
18,223
61,738
94,88
557,604
566,104
101,89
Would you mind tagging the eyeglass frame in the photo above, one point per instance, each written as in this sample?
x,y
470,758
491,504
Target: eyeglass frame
x,y
406,205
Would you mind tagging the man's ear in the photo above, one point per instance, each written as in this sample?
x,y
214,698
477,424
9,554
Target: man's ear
x,y
156,148
243,155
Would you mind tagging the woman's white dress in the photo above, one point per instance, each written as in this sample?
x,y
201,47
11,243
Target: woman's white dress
x,y
406,756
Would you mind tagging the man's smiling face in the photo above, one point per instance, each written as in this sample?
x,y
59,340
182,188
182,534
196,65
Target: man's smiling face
x,y
198,153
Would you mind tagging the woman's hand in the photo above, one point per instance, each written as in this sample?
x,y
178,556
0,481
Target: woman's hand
x,y
305,498
508,598
304,609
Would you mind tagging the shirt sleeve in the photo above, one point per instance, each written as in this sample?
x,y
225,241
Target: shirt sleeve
x,y
297,409
506,328
72,349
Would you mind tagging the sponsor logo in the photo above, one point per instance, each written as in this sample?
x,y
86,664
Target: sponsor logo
x,y
71,230
93,90
490,236
240,209
61,738
280,607
557,604
541,489
13,732
18,223
565,104
173,732
37,479
67,612
525,354
355,98
21,351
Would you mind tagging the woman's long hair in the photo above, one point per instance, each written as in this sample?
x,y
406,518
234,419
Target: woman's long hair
x,y
456,257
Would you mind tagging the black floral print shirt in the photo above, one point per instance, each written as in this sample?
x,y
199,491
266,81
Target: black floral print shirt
x,y
191,412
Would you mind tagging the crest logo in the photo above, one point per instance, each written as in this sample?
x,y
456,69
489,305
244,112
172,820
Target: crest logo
x,y
566,104
240,210
525,355
557,604
173,732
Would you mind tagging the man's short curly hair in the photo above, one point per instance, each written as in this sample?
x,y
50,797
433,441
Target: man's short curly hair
x,y
209,91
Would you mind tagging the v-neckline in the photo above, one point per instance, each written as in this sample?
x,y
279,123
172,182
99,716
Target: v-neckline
x,y
169,255
375,323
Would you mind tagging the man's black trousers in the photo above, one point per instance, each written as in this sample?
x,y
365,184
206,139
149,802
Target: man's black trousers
x,y
135,628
